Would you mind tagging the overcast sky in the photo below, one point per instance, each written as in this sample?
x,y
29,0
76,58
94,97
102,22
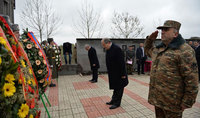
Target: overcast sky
x,y
150,12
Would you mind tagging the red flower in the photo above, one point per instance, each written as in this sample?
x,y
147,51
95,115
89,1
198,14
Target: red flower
x,y
19,51
14,48
33,103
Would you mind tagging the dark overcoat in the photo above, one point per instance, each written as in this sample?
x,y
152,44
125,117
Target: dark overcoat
x,y
116,67
93,58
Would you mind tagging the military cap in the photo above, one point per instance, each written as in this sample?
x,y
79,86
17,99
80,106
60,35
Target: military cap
x,y
170,24
50,40
15,27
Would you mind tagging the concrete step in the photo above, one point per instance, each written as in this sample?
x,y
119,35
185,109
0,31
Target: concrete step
x,y
71,69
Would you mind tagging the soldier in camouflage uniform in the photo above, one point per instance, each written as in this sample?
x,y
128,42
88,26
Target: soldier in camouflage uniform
x,y
174,73
45,47
51,55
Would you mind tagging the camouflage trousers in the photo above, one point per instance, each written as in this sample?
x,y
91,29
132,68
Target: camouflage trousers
x,y
161,113
129,68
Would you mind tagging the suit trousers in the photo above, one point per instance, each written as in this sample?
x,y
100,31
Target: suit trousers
x,y
117,96
161,113
94,74
141,64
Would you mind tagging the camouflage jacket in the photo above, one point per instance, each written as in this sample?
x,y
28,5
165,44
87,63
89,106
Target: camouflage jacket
x,y
174,75
50,53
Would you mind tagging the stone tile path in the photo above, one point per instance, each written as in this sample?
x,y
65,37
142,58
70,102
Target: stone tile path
x,y
75,97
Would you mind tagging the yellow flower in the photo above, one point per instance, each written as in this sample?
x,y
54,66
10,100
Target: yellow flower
x,y
30,71
23,63
23,111
9,89
20,81
33,81
10,78
29,82
31,116
24,80
0,60
2,41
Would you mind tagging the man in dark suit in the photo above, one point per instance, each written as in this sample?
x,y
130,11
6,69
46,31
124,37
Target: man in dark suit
x,y
140,58
191,44
94,62
116,71
197,52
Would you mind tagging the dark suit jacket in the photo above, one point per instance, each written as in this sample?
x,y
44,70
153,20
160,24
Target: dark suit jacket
x,y
93,58
139,55
116,67
67,47
197,52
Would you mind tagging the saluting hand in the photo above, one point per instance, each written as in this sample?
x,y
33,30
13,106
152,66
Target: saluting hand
x,y
153,36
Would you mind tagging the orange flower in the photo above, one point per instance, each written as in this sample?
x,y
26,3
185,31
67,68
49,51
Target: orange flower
x,y
38,62
29,46
39,71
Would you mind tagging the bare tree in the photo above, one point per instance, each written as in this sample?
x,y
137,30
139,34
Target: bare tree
x,y
90,23
126,26
39,16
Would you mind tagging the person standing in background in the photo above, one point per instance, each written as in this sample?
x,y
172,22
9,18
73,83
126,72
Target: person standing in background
x,y
67,50
94,62
140,58
197,53
15,29
191,44
130,55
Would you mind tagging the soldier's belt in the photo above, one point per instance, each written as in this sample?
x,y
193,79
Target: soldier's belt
x,y
53,57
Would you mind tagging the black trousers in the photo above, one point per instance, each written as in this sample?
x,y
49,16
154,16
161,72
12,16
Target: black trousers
x,y
140,64
117,96
94,74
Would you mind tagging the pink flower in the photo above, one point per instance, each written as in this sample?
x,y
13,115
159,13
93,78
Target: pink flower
x,y
39,71
29,46
40,53
37,62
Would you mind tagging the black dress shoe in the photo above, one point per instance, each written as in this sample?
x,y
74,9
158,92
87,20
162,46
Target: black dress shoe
x,y
93,81
113,107
52,85
109,103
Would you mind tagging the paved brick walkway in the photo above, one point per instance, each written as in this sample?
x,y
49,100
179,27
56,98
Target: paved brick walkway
x,y
75,97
